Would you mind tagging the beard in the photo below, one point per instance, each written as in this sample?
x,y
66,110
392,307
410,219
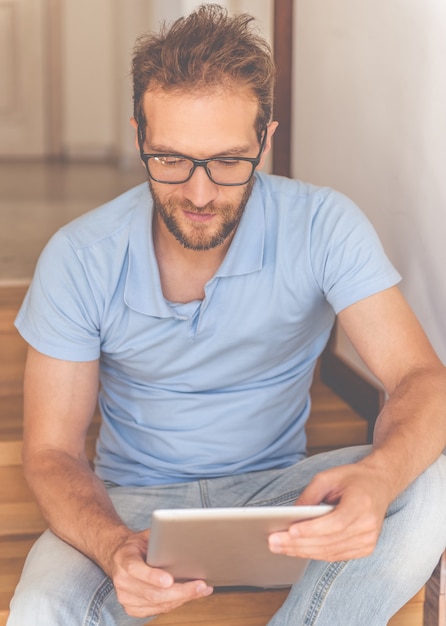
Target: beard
x,y
200,236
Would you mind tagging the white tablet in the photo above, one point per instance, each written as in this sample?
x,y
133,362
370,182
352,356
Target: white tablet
x,y
227,546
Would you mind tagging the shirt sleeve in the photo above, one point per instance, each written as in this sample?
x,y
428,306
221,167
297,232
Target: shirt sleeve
x,y
348,259
59,316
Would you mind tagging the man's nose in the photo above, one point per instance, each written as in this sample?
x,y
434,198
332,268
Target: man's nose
x,y
199,189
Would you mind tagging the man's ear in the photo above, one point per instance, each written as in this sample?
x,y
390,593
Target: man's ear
x,y
270,130
134,123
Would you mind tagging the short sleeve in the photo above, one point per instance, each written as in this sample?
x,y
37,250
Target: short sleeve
x,y
348,260
59,316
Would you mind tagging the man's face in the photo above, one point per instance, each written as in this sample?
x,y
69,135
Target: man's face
x,y
198,213
200,228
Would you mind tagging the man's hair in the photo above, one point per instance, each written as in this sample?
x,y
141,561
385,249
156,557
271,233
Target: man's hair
x,y
206,49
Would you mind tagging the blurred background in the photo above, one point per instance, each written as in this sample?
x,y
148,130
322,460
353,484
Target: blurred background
x,y
65,88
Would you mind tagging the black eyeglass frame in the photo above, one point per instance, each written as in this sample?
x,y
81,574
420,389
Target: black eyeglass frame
x,y
203,163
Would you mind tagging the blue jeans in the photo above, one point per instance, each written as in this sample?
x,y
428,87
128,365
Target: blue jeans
x,y
62,587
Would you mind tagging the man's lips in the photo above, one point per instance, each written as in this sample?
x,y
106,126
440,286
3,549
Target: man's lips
x,y
199,217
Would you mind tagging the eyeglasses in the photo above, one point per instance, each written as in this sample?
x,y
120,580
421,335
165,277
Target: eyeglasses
x,y
174,169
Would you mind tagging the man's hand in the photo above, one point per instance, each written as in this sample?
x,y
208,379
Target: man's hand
x,y
144,591
351,531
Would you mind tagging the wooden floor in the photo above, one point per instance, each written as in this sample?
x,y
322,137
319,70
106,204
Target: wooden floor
x,y
34,201
36,198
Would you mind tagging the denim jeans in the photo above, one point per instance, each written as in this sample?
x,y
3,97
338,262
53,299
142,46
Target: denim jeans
x,y
62,587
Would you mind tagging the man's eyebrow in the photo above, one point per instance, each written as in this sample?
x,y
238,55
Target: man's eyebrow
x,y
233,151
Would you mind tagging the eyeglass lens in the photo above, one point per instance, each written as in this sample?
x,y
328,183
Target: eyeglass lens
x,y
178,169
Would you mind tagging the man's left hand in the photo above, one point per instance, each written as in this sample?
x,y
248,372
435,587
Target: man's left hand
x,y
352,529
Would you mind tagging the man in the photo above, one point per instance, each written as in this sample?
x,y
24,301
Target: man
x,y
200,304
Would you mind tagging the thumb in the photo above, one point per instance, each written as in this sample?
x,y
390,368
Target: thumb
x,y
316,492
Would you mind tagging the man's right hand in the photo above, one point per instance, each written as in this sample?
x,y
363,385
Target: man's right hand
x,y
145,591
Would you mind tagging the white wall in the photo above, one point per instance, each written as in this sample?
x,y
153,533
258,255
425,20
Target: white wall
x,y
370,120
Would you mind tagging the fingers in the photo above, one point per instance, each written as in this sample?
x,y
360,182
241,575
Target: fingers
x,y
144,600
350,531
145,591
337,545
320,489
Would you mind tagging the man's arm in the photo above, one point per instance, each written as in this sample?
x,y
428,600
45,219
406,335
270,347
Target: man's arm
x,y
410,433
59,402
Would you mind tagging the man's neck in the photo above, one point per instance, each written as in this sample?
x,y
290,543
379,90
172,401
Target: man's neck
x,y
184,272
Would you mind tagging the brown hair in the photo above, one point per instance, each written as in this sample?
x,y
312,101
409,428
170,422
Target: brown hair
x,y
207,48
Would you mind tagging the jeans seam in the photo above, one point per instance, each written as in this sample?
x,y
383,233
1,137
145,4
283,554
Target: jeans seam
x,y
322,588
204,493
286,498
104,590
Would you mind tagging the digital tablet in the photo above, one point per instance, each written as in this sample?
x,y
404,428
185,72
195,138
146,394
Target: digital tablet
x,y
227,546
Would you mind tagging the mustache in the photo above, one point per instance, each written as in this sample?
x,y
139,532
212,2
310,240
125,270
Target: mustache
x,y
209,209
187,205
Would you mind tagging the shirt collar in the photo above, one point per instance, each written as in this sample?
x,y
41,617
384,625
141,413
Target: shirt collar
x,y
245,254
143,291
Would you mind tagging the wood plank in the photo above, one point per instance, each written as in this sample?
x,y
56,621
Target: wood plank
x,y
13,486
20,518
236,608
18,547
11,296
335,429
435,601
12,362
12,558
3,612
7,317
411,614
256,609
13,347
11,411
10,570
10,452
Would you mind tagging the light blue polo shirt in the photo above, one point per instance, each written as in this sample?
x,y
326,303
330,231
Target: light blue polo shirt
x,y
214,387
